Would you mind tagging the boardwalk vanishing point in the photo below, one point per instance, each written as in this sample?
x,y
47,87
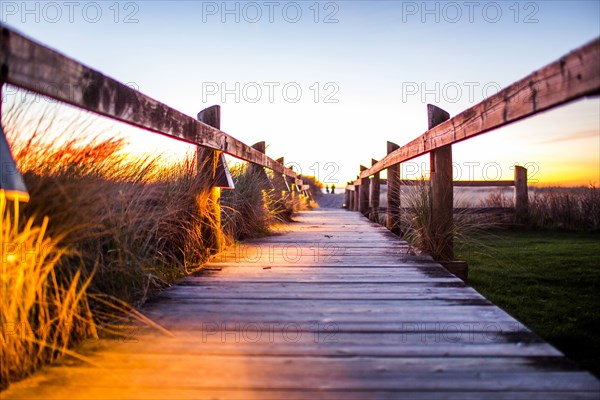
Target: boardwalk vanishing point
x,y
335,307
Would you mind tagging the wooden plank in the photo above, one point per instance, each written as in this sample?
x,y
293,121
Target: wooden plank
x,y
32,66
573,76
204,365
305,312
331,379
335,277
274,341
338,265
156,393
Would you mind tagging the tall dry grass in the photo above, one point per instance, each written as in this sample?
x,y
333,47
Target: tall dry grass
x,y
43,310
573,209
132,218
133,225
557,208
417,223
257,203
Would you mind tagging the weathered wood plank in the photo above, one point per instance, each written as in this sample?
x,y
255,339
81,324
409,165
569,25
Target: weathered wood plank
x,y
330,379
32,66
572,77
325,341
58,392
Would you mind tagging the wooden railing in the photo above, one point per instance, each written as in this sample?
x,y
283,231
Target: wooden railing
x,y
32,66
574,76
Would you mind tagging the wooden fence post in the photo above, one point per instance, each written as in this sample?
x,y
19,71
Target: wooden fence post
x,y
347,197
374,195
521,195
442,196
280,181
393,194
363,205
356,195
207,160
259,170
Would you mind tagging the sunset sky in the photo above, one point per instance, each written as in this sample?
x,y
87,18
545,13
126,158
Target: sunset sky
x,y
326,84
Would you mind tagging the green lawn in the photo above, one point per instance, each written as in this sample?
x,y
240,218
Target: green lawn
x,y
550,281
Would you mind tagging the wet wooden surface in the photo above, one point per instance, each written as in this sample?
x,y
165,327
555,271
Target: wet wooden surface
x,y
335,307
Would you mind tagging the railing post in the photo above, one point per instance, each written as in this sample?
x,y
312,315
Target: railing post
x,y
280,181
363,205
207,160
356,195
259,170
393,194
347,197
374,195
521,195
442,197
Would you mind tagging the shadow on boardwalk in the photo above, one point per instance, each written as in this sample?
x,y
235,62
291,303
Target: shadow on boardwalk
x,y
333,308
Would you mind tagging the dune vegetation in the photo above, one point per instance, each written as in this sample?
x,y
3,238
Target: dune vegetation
x,y
103,229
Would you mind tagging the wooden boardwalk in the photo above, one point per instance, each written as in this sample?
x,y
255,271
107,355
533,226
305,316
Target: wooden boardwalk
x,y
335,308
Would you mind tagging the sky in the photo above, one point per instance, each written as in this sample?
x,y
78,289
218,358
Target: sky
x,y
326,84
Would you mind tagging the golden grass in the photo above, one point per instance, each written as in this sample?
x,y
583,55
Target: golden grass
x,y
557,208
255,205
42,311
133,225
418,229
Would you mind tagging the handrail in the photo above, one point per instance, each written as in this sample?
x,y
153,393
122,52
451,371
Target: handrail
x,y
32,66
573,76
569,78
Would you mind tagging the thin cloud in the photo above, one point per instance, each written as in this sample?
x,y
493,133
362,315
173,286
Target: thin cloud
x,y
587,134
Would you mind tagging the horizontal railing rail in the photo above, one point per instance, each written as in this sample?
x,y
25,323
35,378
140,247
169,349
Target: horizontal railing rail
x,y
572,77
32,66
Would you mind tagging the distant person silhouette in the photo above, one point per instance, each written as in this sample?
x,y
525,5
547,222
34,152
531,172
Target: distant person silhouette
x,y
326,188
332,188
